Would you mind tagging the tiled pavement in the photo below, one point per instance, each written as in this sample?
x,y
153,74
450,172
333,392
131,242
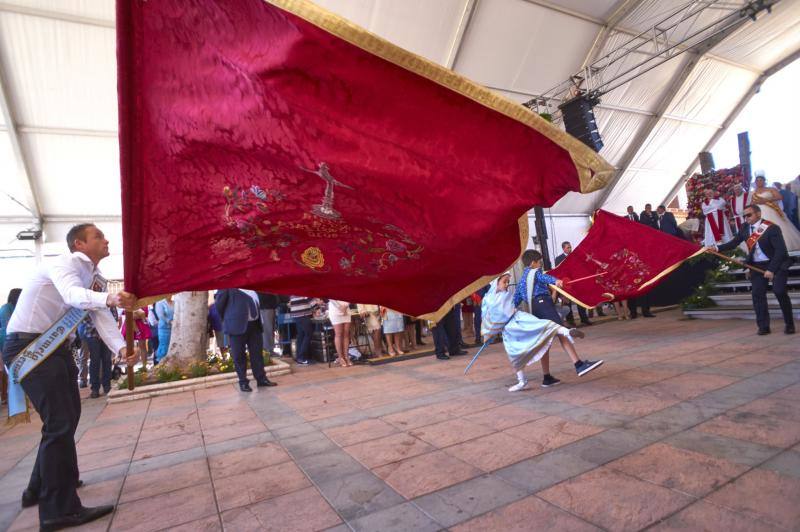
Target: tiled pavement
x,y
689,425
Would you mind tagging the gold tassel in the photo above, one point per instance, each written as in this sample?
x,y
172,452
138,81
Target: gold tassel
x,y
21,418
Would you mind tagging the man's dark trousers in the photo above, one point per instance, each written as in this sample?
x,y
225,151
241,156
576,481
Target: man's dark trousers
x,y
446,333
254,342
52,388
303,344
759,293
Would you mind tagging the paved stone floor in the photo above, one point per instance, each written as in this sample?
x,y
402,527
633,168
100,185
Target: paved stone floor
x,y
689,425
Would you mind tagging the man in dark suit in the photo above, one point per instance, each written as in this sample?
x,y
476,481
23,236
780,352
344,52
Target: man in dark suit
x,y
767,251
241,321
566,247
648,217
667,223
631,215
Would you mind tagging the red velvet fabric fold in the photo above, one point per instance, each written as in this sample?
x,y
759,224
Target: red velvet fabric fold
x,y
259,151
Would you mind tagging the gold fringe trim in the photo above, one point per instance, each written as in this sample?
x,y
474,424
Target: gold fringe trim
x,y
593,171
483,281
21,418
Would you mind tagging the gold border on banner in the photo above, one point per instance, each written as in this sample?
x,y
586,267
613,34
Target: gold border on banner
x,y
593,171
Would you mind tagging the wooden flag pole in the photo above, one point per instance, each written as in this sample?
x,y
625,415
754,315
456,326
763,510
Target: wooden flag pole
x,y
129,344
742,264
585,278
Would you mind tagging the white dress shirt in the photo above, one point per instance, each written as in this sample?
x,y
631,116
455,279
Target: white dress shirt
x,y
254,296
758,253
54,289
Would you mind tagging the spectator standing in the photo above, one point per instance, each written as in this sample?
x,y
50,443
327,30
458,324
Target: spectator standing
x,y
339,314
215,324
152,321
99,358
5,315
241,320
566,247
267,304
648,217
667,223
631,215
301,309
141,331
789,203
393,326
165,309
371,316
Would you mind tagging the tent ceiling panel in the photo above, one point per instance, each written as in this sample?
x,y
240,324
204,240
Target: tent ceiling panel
x,y
574,202
661,160
781,29
60,74
599,9
706,95
518,45
421,26
81,173
96,9
13,182
617,129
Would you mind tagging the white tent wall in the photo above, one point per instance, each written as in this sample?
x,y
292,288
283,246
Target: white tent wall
x,y
571,228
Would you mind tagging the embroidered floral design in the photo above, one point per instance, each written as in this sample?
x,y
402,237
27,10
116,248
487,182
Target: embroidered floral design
x,y
262,218
313,258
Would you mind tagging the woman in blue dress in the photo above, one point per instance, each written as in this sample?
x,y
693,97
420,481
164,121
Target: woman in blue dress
x,y
526,338
165,310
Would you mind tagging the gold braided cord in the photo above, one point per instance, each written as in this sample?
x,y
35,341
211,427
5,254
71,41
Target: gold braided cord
x,y
593,171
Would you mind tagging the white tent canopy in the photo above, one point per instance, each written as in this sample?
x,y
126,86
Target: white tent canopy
x,y
58,139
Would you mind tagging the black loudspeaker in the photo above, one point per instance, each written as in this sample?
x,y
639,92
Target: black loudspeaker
x,y
579,121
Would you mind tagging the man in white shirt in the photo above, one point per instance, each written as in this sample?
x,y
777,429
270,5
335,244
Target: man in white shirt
x,y
52,386
739,200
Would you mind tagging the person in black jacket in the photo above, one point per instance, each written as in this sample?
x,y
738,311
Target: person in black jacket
x,y
631,214
767,251
667,223
241,321
566,247
648,217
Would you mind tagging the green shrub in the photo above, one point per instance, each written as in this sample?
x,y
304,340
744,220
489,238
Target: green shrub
x,y
198,369
167,374
138,379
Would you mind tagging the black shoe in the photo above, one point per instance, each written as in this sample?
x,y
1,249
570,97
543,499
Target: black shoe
x,y
83,516
462,345
764,332
84,384
29,498
460,352
649,315
600,313
633,316
443,357
265,383
586,322
789,329
585,366
106,391
95,394
420,342
549,381
245,388
303,362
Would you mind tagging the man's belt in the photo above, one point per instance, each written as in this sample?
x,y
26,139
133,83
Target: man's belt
x,y
36,352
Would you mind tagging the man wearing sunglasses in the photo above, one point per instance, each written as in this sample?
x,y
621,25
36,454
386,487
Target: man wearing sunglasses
x,y
766,251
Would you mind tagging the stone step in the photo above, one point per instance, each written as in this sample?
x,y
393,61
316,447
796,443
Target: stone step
x,y
792,282
742,313
794,269
740,299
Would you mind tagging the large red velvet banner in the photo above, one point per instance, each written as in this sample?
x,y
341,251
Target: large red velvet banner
x,y
277,147
620,259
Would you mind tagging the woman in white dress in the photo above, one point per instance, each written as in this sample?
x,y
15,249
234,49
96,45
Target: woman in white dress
x,y
767,198
339,314
393,327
